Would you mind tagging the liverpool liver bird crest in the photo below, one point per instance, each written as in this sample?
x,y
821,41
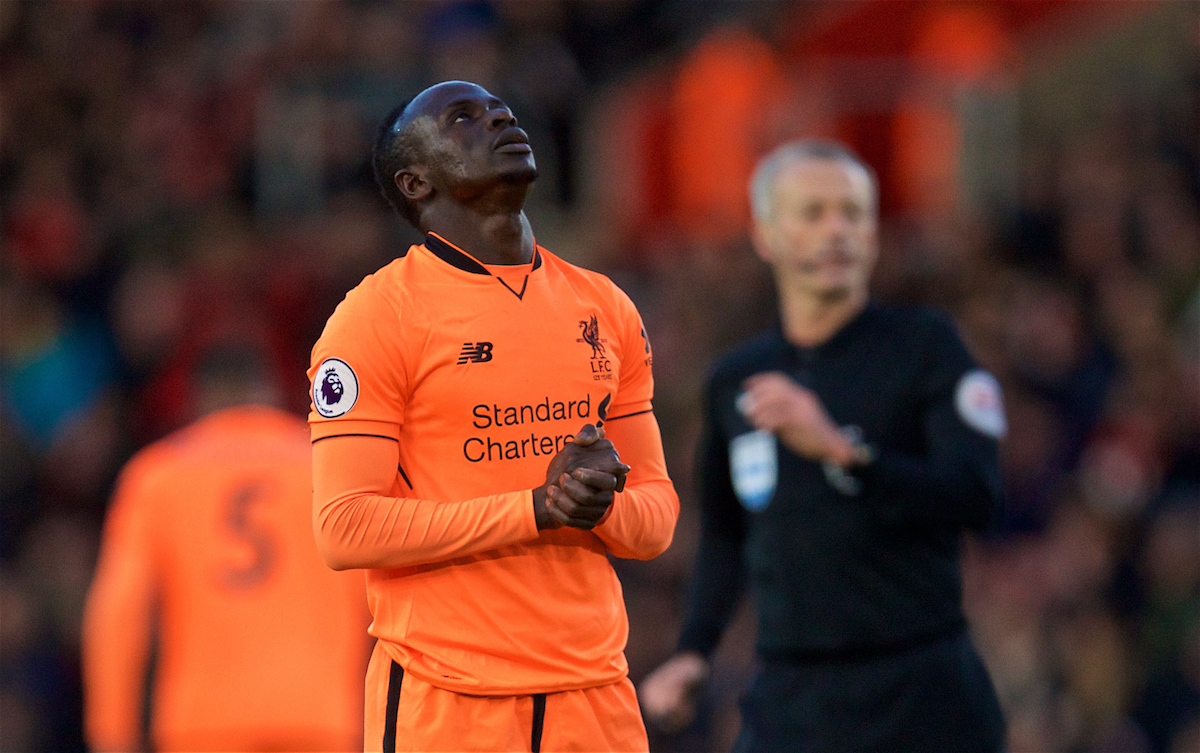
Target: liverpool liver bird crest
x,y
591,336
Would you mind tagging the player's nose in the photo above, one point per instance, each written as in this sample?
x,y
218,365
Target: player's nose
x,y
499,118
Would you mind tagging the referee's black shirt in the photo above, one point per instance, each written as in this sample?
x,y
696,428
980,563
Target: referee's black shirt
x,y
837,573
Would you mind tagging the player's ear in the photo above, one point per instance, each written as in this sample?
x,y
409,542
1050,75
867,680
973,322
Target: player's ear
x,y
412,183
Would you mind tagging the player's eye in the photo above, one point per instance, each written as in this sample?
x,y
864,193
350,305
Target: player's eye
x,y
460,117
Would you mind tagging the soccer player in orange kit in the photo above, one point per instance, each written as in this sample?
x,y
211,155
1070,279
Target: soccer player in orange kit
x,y
208,552
469,402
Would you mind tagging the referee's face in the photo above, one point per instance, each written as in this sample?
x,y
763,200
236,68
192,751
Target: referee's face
x,y
821,239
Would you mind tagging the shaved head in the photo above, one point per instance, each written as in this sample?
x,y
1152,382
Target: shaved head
x,y
434,135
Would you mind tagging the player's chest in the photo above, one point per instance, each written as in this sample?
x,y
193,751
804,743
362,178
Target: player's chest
x,y
529,352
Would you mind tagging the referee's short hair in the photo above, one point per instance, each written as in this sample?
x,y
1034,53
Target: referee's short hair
x,y
395,150
762,182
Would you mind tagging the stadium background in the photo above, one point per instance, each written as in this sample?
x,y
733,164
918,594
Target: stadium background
x,y
177,173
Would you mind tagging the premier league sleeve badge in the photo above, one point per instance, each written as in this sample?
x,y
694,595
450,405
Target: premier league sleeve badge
x,y
335,388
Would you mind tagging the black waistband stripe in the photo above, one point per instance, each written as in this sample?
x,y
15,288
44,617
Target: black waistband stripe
x,y
395,680
539,718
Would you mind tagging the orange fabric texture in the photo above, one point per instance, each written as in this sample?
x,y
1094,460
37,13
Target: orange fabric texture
x,y
466,380
604,718
260,645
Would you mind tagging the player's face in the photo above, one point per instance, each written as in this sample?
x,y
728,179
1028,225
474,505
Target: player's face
x,y
470,137
822,236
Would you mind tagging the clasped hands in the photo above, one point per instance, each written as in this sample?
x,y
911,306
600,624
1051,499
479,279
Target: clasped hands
x,y
581,482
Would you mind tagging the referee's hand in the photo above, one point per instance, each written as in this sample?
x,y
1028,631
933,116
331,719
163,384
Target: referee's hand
x,y
581,482
774,401
668,694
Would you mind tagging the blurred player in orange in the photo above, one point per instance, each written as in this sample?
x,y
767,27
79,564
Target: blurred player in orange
x,y
469,403
208,555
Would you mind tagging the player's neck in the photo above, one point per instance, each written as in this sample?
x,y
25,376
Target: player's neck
x,y
500,238
809,320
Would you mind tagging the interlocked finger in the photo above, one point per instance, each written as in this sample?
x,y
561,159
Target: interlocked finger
x,y
573,513
597,479
583,496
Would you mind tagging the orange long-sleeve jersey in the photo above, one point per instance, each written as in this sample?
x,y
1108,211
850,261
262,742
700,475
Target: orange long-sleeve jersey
x,y
442,387
260,645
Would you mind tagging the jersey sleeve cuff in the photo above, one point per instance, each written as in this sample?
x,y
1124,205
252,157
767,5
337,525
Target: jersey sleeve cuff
x,y
624,410
529,516
354,428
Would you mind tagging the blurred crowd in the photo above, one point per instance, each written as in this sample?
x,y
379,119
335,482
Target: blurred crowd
x,y
176,175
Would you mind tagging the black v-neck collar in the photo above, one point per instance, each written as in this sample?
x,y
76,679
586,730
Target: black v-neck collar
x,y
453,256
456,257
524,284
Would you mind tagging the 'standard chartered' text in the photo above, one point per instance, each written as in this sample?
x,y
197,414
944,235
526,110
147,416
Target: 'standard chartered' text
x,y
479,449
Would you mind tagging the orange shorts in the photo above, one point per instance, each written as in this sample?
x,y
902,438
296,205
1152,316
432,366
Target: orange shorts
x,y
405,713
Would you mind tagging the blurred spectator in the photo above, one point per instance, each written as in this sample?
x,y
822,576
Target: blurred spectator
x,y
53,368
716,115
1169,570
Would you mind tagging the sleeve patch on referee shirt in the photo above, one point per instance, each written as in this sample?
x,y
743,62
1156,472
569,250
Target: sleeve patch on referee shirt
x,y
335,388
979,403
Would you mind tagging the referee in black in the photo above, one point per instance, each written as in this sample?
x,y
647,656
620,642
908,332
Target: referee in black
x,y
844,453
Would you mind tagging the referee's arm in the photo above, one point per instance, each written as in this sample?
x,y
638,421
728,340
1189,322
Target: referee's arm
x,y
718,576
957,479
668,694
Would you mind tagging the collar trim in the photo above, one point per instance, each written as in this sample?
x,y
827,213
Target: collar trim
x,y
448,253
456,257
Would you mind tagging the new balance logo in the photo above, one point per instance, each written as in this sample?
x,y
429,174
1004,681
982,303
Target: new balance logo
x,y
475,353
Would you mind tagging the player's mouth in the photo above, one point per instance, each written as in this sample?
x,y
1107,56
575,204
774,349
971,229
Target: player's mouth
x,y
513,141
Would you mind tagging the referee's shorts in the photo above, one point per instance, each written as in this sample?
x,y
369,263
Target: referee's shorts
x,y
935,696
405,713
